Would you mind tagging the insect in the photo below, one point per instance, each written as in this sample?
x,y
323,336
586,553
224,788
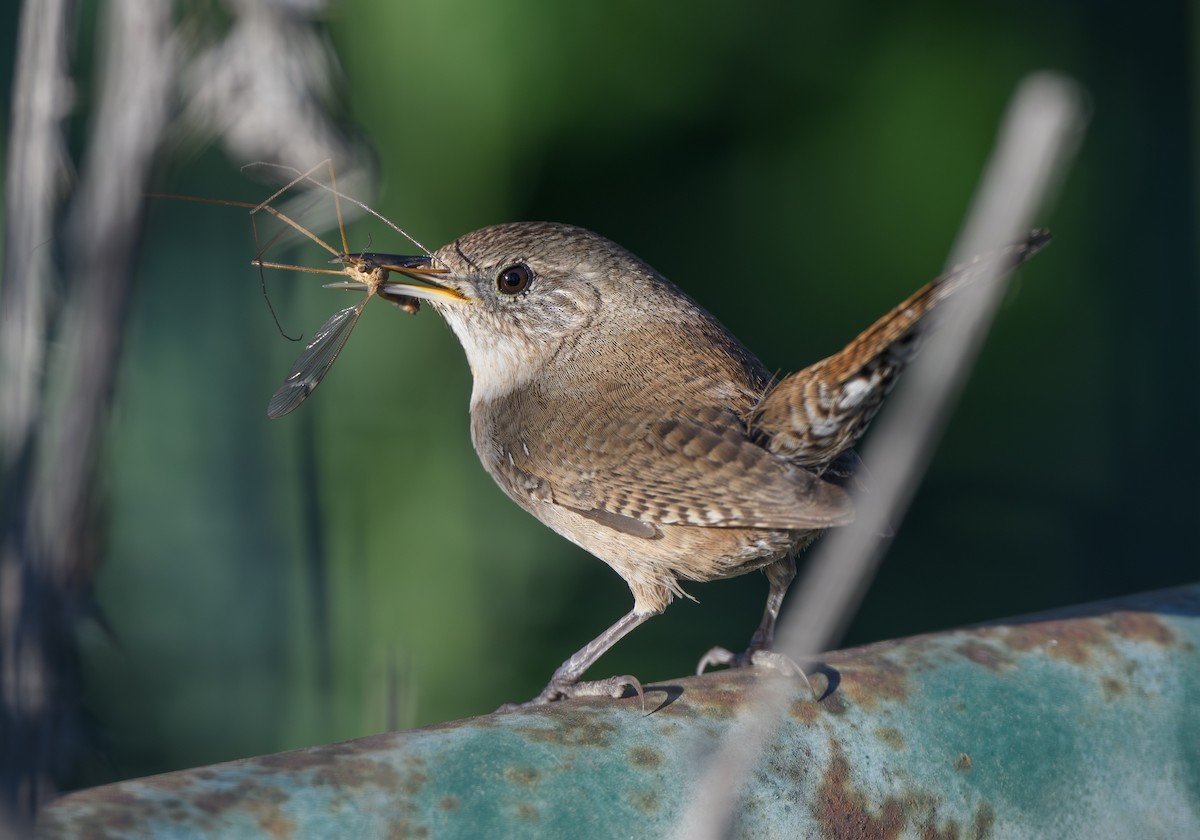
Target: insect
x,y
365,272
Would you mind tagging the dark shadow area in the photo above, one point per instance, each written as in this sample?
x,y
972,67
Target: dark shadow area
x,y
832,678
672,691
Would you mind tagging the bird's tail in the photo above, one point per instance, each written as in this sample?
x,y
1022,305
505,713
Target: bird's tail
x,y
815,414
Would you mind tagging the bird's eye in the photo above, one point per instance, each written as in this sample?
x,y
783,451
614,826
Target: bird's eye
x,y
514,279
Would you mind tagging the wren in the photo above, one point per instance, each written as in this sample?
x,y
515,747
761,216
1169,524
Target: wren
x,y
620,413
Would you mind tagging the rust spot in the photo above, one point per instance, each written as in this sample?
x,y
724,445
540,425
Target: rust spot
x,y
964,763
260,801
843,810
984,655
645,757
218,801
413,782
720,703
874,680
404,828
930,830
526,811
524,776
110,812
270,818
834,703
719,695
1113,688
891,736
348,765
985,819
575,727
1074,640
669,729
805,711
449,803
1143,627
356,773
646,801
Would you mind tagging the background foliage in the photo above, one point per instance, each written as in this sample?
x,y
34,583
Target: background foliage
x,y
798,168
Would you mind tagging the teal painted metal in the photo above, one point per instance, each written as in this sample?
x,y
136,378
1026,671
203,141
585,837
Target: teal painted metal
x,y
1081,723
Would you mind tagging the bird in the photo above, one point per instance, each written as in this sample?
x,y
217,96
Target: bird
x,y
615,409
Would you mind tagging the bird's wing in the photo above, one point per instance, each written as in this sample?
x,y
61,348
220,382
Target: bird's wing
x,y
633,473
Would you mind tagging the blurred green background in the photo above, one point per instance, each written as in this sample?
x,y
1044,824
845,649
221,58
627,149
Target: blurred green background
x,y
799,169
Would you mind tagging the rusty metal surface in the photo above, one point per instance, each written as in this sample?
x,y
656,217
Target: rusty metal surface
x,y
1083,723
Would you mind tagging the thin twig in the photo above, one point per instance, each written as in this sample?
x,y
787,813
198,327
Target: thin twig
x,y
36,177
1037,139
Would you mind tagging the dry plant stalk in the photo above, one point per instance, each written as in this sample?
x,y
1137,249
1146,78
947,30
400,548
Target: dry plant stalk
x,y
1035,144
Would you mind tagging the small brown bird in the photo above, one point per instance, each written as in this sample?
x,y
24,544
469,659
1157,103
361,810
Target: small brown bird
x,y
620,413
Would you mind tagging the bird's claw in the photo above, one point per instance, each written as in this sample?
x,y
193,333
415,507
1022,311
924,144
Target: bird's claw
x,y
755,657
720,656
555,691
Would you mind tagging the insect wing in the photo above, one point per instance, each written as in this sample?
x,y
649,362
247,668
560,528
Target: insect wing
x,y
315,361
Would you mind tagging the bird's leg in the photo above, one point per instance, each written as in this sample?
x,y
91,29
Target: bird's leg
x,y
565,682
780,575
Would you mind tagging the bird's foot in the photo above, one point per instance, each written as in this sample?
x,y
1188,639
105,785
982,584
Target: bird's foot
x,y
564,690
755,657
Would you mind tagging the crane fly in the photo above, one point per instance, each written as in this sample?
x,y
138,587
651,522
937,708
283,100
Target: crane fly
x,y
365,272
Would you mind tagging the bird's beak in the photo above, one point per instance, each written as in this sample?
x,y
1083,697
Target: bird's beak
x,y
423,269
